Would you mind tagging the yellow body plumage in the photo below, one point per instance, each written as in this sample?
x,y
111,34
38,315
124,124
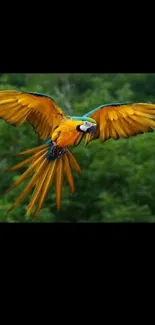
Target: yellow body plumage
x,y
66,133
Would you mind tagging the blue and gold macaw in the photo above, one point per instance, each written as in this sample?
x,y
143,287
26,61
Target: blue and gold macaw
x,y
53,159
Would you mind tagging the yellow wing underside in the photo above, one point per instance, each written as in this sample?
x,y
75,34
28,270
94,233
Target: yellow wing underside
x,y
45,115
122,121
42,112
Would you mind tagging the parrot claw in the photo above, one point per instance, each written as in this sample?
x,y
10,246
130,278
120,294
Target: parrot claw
x,y
54,152
61,152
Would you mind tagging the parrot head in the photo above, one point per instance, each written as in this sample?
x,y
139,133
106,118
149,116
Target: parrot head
x,y
88,125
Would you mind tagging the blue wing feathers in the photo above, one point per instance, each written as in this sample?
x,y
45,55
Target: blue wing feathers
x,y
106,105
39,94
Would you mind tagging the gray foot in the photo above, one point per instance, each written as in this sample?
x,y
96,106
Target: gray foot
x,y
54,152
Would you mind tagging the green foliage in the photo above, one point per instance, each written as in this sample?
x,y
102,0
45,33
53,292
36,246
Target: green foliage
x,y
117,182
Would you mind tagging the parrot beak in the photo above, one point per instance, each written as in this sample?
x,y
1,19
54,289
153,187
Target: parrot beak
x,y
92,129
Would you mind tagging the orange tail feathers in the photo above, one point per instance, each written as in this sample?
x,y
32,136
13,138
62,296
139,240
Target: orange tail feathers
x,y
44,172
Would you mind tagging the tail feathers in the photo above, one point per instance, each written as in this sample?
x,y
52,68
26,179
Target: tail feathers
x,y
44,172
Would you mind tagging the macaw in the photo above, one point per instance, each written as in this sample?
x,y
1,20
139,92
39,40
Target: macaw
x,y
59,131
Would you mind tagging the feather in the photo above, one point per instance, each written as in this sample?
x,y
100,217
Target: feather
x,y
113,133
18,106
144,121
33,150
68,173
23,163
73,162
16,110
138,127
112,115
125,111
45,186
26,173
145,114
79,138
5,112
27,161
124,127
59,181
7,101
103,124
118,129
107,129
18,119
29,186
122,120
87,139
37,190
42,178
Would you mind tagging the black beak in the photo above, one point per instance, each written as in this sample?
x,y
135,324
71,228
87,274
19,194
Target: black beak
x,y
92,129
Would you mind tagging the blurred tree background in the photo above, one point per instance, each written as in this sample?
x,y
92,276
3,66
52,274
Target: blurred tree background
x,y
117,182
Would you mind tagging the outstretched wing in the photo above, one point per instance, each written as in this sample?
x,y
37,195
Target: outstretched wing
x,y
38,109
122,120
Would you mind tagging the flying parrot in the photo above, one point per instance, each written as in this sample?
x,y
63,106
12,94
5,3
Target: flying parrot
x,y
53,159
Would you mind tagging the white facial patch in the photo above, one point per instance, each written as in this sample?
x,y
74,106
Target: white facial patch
x,y
86,125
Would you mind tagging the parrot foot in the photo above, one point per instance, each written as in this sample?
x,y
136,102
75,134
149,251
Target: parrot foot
x,y
61,152
54,152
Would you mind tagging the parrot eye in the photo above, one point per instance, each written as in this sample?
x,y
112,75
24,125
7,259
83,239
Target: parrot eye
x,y
86,123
